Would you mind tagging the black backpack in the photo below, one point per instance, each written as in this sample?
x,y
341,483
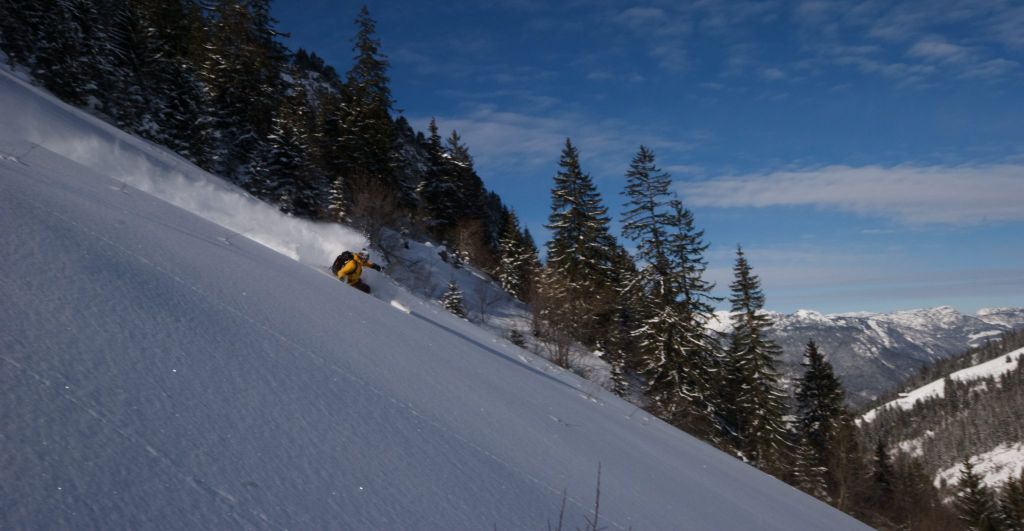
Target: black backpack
x,y
340,262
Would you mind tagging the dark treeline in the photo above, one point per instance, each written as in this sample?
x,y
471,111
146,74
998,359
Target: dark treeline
x,y
213,82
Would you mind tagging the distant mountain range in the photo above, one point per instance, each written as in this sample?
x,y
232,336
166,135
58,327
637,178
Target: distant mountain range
x,y
876,352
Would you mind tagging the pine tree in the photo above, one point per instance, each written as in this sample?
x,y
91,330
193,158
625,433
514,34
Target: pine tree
x,y
756,402
808,476
156,90
242,70
438,189
469,188
820,417
68,51
514,265
452,300
20,25
284,174
680,356
620,345
974,500
579,252
882,479
647,217
1011,503
367,133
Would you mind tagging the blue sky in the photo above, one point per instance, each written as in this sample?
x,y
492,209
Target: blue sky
x,y
868,155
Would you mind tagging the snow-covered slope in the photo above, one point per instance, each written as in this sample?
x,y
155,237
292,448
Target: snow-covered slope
x,y
994,368
1006,461
159,370
876,352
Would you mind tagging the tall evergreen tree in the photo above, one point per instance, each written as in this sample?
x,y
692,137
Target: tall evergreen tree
x,y
679,356
515,266
974,500
156,91
756,403
367,133
882,479
820,417
647,217
69,46
284,174
580,249
469,188
438,190
242,70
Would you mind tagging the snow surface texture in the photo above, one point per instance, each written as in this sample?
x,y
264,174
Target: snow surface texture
x,y
159,370
937,389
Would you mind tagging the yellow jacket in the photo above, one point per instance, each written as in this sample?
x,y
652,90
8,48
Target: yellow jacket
x,y
353,269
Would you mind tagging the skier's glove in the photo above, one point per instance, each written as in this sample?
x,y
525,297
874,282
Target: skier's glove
x,y
375,267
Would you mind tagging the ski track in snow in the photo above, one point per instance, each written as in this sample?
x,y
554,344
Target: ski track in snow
x,y
284,340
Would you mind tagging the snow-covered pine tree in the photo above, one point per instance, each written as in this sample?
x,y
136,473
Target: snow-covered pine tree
x,y
616,340
646,220
469,188
242,73
367,133
974,500
677,354
513,260
156,92
452,300
580,249
754,401
807,476
681,357
284,175
68,59
819,411
438,191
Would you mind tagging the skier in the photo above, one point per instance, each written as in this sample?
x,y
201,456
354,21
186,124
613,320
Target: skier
x,y
349,267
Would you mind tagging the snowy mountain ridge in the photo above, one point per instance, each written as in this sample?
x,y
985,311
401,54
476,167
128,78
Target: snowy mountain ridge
x,y
159,369
876,352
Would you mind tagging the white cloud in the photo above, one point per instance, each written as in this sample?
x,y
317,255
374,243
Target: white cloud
x,y
772,74
642,18
959,195
937,49
990,69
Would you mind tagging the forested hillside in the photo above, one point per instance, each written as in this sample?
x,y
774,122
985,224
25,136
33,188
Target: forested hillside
x,y
954,413
216,83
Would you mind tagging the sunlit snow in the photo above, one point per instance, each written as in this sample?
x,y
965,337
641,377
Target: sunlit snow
x,y
159,368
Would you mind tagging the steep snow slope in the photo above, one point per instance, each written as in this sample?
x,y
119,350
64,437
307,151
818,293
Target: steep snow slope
x,y
158,370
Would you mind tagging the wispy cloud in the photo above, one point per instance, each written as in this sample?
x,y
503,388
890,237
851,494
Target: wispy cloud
x,y
913,41
865,278
960,195
939,50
